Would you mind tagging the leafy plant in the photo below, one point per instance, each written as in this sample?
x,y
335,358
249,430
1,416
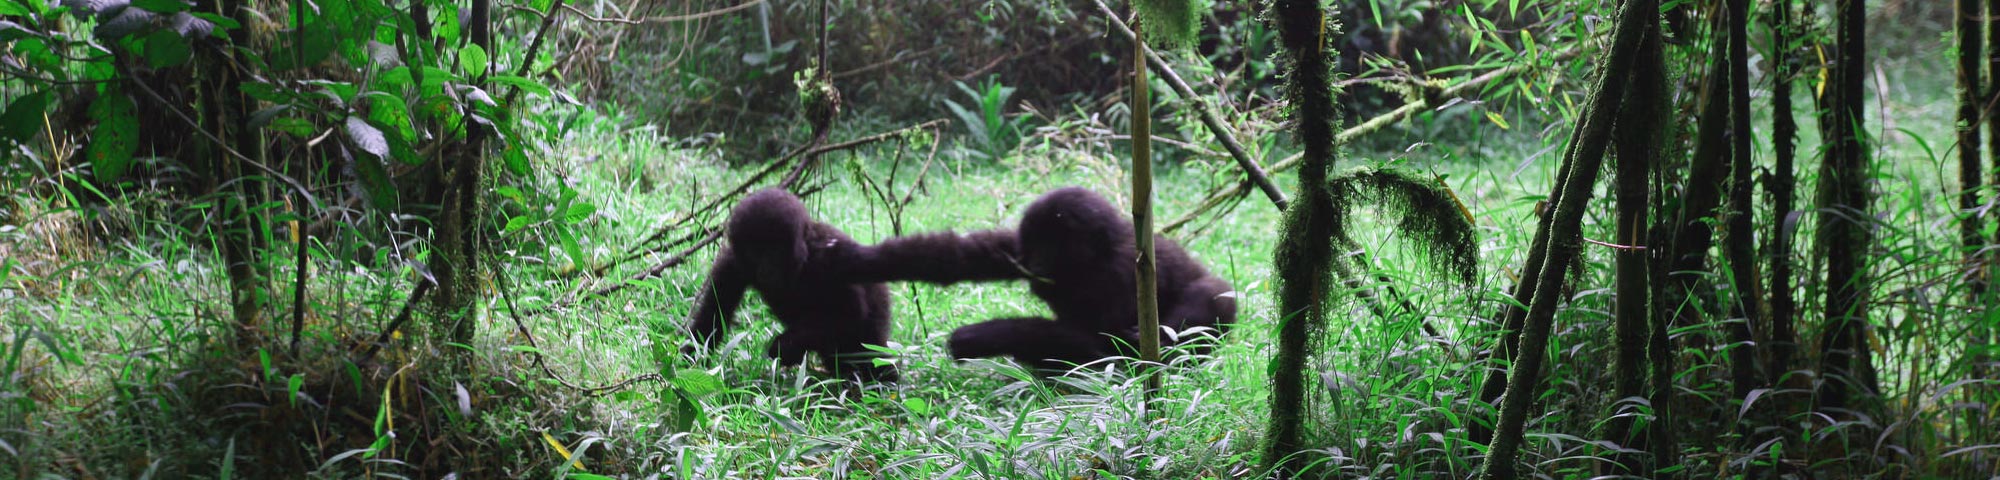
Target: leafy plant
x,y
992,133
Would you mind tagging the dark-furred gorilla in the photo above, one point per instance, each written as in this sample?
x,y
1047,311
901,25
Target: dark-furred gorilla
x,y
776,248
1077,252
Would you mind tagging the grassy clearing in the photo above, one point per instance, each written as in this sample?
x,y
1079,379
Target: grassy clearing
x,y
119,324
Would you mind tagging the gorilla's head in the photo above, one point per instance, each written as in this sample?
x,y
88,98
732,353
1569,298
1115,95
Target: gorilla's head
x,y
1072,226
767,231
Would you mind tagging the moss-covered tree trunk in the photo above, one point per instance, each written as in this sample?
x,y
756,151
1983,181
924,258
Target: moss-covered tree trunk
x,y
240,235
1688,221
1304,251
1970,164
1636,20
1971,171
1636,146
461,268
1745,372
1843,237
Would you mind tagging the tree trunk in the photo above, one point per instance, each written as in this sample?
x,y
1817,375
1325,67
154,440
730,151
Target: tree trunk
x,y
1512,316
1784,132
1970,171
1142,210
1844,235
1636,146
1746,374
1304,252
460,235
1637,19
240,237
1686,257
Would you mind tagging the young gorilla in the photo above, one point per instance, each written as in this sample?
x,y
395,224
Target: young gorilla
x,y
777,249
1077,251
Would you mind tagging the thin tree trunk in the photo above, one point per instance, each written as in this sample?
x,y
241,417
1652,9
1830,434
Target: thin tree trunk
x,y
1636,20
240,237
1515,315
460,236
1142,210
1993,92
1304,253
1746,374
1970,171
1784,132
1636,146
1686,258
1844,235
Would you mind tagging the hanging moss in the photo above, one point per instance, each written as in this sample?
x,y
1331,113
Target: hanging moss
x,y
1171,23
1424,210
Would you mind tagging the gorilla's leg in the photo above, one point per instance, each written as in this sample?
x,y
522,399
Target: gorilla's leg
x,y
1038,342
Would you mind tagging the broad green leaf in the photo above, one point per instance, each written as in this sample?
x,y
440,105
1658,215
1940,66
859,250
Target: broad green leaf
x,y
13,8
399,148
578,213
292,386
116,136
697,383
297,127
166,48
525,84
23,119
389,111
516,159
515,224
473,58
686,413
917,406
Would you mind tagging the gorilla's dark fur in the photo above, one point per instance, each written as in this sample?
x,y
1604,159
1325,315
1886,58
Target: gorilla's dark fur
x,y
1077,251
776,248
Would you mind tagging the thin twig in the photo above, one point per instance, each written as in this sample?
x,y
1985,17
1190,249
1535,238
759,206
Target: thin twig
x,y
540,359
665,19
773,166
918,184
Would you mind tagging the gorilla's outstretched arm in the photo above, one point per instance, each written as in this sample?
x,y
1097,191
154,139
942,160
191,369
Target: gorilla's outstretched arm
x,y
942,258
